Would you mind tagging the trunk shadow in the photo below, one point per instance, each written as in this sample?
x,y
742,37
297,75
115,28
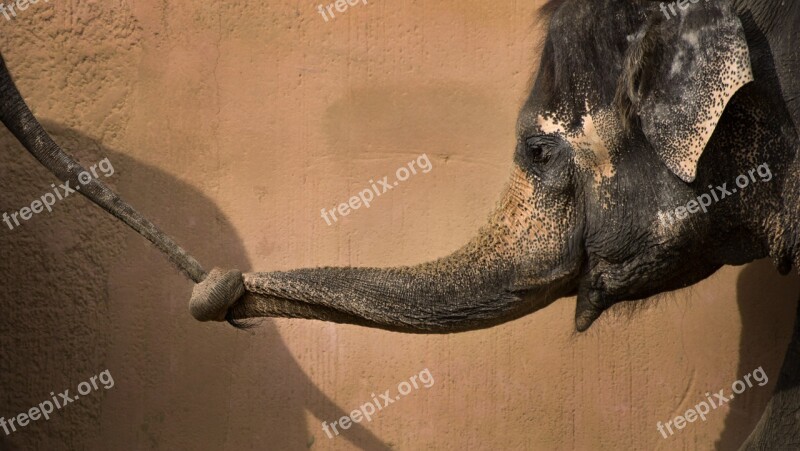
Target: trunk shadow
x,y
83,294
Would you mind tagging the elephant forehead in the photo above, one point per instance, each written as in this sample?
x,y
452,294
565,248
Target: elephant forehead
x,y
591,141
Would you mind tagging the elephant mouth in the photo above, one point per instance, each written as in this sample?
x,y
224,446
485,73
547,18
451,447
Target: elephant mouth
x,y
601,286
591,303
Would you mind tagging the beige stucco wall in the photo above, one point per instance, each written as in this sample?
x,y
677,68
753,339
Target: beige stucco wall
x,y
232,125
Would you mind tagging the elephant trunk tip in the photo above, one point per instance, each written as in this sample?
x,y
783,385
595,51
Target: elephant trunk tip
x,y
213,297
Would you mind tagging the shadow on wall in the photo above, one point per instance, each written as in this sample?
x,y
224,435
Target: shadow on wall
x,y
767,304
83,294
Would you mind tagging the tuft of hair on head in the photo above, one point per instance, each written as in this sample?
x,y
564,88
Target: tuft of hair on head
x,y
547,10
632,83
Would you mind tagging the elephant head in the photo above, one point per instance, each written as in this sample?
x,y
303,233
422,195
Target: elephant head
x,y
624,183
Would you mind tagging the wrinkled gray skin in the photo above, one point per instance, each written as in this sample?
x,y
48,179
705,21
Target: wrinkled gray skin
x,y
631,115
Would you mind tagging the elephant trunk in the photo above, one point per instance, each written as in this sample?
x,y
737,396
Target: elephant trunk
x,y
466,290
489,281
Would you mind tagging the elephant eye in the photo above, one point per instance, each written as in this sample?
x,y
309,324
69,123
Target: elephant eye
x,y
537,152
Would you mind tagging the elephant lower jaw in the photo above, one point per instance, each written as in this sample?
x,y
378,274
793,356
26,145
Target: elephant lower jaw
x,y
591,304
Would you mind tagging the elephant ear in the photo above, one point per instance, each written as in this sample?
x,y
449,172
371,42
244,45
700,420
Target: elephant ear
x,y
680,74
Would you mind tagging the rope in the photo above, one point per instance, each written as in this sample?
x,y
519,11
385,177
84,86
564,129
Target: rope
x,y
213,293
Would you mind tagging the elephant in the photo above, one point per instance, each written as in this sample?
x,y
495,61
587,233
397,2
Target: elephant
x,y
658,143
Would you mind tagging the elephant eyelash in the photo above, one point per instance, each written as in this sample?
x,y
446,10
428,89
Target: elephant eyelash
x,y
537,150
538,154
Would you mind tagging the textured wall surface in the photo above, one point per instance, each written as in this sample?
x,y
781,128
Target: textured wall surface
x,y
231,125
